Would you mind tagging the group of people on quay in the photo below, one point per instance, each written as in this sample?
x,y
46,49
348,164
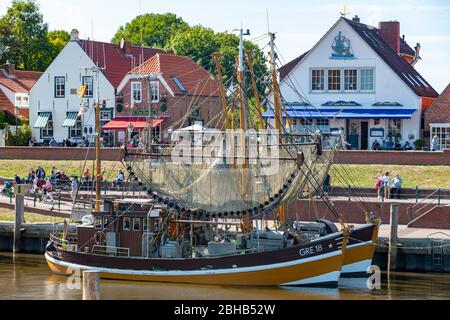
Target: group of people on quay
x,y
44,186
387,186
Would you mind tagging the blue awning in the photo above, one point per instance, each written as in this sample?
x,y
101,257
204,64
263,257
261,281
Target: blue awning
x,y
353,113
42,119
71,120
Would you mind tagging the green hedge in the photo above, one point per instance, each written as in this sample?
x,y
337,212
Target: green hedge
x,y
20,138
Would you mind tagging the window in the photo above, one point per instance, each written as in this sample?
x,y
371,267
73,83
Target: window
x,y
443,134
60,87
136,224
350,80
322,122
334,80
394,128
106,222
136,92
154,91
77,130
89,81
306,122
126,223
366,80
47,131
318,80
98,223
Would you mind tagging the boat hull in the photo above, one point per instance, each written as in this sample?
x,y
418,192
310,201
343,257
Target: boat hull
x,y
360,251
294,266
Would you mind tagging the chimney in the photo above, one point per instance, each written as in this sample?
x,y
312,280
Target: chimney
x,y
10,69
356,18
125,46
74,35
390,32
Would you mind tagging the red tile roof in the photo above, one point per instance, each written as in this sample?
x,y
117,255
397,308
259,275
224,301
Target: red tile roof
x,y
21,82
5,104
193,78
113,59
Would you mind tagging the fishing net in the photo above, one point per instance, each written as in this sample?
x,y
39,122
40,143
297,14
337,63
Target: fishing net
x,y
216,185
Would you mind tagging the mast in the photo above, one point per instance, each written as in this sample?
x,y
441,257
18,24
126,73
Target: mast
x,y
97,158
241,79
255,88
216,56
278,116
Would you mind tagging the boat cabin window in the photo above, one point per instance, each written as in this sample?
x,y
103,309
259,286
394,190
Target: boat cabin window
x,y
106,222
136,224
144,224
98,223
126,223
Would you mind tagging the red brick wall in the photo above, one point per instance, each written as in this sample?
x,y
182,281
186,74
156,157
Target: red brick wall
x,y
394,157
38,153
352,213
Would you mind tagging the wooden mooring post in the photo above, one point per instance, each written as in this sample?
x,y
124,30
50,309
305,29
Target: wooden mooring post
x,y
392,259
19,216
91,285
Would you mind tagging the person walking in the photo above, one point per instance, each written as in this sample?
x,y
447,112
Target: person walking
x,y
435,143
379,183
119,179
48,190
74,189
396,186
386,185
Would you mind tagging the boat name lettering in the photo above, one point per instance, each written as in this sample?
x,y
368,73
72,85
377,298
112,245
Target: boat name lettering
x,y
311,250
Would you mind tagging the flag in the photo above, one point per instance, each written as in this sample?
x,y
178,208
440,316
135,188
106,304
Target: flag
x,y
84,106
82,90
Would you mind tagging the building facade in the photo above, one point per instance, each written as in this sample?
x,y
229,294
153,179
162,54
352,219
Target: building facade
x,y
437,119
173,91
359,79
57,110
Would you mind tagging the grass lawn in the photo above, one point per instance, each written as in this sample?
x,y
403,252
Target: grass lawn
x,y
8,215
433,177
8,168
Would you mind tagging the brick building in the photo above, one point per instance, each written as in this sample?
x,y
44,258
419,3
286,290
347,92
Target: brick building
x,y
15,86
437,119
174,90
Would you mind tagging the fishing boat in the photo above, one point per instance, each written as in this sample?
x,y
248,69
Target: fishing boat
x,y
216,209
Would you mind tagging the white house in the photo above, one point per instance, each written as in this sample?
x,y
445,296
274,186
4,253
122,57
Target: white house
x,y
361,79
54,103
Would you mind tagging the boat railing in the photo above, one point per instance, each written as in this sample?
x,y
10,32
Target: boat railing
x,y
110,251
67,243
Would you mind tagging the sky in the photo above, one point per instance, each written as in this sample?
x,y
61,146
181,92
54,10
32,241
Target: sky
x,y
299,24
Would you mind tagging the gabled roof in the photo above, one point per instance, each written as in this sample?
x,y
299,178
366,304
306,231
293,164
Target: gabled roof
x,y
21,82
113,60
398,64
6,105
181,73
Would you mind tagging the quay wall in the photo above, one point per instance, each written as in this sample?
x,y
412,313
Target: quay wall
x,y
34,237
344,157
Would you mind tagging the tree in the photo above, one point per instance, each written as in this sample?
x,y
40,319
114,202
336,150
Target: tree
x,y
57,40
23,36
156,29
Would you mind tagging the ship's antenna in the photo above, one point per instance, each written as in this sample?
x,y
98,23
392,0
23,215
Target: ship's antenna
x,y
267,15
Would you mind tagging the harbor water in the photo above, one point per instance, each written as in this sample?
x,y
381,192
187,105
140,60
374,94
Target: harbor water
x,y
24,276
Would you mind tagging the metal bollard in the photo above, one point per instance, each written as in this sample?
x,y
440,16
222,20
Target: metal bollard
x,y
417,194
